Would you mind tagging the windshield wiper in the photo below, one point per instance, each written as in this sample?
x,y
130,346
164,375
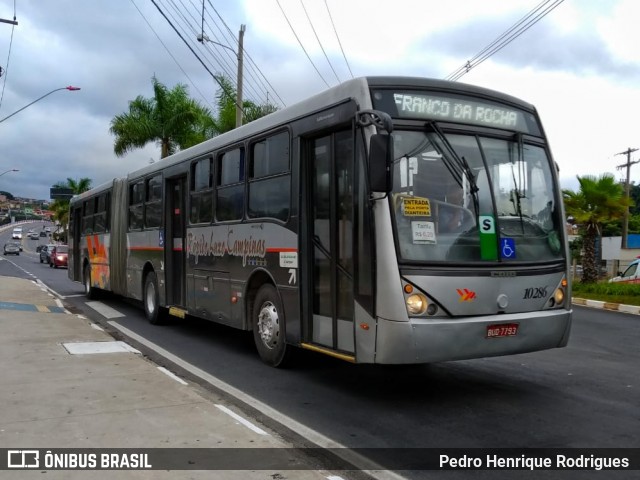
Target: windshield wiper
x,y
456,164
517,191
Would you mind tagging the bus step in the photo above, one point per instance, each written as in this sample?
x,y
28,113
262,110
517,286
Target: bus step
x,y
330,352
177,312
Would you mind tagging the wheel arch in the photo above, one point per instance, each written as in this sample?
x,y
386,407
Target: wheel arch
x,y
146,269
258,278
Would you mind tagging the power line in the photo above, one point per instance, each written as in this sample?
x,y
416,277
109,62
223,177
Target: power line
x,y
318,39
506,38
247,55
338,37
196,55
301,45
171,54
184,18
255,84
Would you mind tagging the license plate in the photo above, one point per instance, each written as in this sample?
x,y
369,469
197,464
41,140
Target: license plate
x,y
502,330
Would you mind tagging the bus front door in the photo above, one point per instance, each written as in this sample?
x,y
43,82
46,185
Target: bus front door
x,y
174,243
330,207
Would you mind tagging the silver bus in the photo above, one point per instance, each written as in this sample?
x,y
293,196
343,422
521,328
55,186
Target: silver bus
x,y
387,220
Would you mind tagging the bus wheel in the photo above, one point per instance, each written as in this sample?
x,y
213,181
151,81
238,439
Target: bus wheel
x,y
89,291
268,327
151,300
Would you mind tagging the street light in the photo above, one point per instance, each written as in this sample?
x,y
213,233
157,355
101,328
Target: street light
x,y
10,170
70,88
204,38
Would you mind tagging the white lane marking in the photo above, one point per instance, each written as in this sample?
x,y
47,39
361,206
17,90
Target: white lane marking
x,y
334,477
374,471
172,375
105,310
243,421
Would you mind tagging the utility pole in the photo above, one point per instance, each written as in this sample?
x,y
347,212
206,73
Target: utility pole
x,y
201,37
625,223
239,88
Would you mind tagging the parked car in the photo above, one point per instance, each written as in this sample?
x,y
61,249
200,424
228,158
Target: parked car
x,y
630,275
45,253
59,256
11,248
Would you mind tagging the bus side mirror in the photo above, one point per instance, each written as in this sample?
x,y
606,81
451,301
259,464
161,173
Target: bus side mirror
x,y
381,163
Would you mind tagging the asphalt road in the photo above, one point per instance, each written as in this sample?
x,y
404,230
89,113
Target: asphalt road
x,y
586,395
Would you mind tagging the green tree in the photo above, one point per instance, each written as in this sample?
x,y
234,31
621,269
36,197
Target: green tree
x,y
60,206
597,200
170,118
226,103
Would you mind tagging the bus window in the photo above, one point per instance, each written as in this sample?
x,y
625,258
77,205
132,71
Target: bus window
x,y
230,191
136,197
270,180
153,203
201,197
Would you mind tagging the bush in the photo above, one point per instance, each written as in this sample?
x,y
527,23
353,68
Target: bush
x,y
607,288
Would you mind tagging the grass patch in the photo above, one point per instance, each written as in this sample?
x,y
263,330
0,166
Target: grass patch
x,y
624,293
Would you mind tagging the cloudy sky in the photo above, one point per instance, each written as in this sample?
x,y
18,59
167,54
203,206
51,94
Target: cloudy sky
x,y
579,65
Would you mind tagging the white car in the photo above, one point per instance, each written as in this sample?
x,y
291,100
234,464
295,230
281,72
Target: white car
x,y
630,275
17,234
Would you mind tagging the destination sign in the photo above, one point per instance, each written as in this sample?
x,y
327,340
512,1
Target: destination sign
x,y
455,108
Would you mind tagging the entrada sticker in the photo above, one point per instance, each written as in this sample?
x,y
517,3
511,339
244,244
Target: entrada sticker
x,y
416,207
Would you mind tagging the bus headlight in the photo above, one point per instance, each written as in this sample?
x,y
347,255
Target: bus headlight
x,y
416,304
558,296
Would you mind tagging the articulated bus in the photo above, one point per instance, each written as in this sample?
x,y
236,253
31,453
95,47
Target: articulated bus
x,y
387,220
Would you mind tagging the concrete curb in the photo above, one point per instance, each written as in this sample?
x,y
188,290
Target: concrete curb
x,y
615,307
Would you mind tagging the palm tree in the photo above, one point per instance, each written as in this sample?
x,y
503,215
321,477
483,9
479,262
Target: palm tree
x,y
60,206
170,118
598,200
226,102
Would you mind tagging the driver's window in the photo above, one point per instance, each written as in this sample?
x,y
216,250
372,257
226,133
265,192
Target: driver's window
x,y
631,271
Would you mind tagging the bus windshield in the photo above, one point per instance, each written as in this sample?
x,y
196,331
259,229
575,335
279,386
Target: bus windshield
x,y
469,198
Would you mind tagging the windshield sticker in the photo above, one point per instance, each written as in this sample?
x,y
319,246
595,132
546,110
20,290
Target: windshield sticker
x,y
423,232
507,248
416,207
488,237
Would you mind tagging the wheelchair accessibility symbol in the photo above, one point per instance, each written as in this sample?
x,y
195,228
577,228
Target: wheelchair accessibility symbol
x,y
507,248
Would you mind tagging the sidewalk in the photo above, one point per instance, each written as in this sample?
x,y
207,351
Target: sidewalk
x,y
53,399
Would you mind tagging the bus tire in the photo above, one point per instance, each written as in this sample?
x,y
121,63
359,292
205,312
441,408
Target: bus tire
x,y
90,292
268,327
151,300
